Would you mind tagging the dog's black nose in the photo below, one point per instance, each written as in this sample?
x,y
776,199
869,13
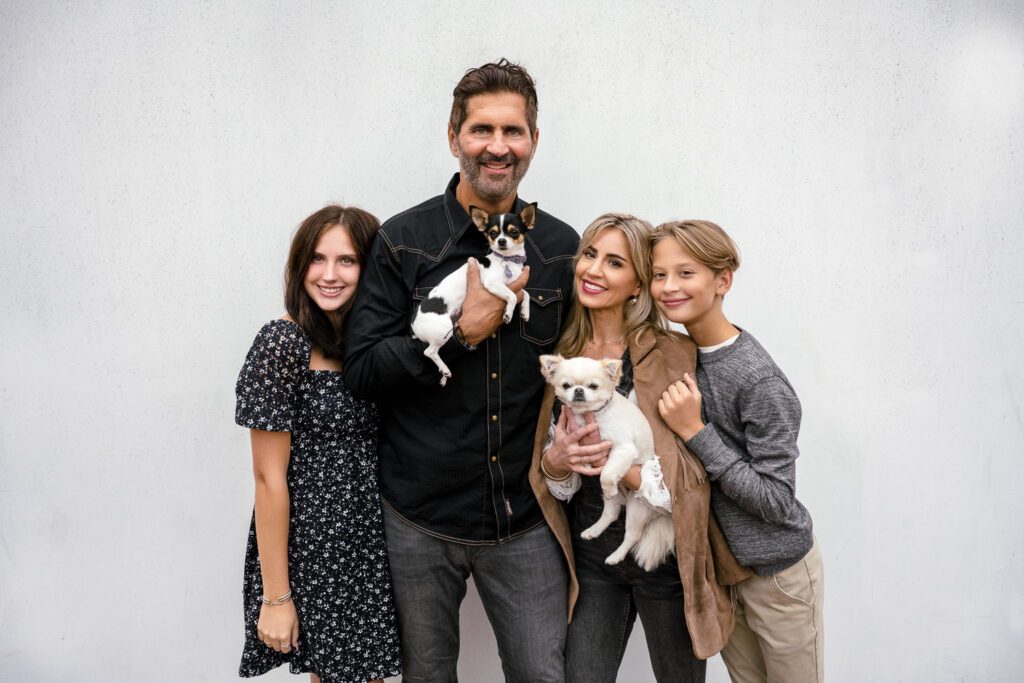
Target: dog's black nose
x,y
577,395
502,242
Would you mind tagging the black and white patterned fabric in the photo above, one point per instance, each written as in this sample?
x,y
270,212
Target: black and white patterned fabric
x,y
337,559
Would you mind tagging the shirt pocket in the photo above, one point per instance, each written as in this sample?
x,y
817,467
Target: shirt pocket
x,y
419,294
545,316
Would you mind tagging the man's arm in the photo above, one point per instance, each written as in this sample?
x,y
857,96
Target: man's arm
x,y
380,352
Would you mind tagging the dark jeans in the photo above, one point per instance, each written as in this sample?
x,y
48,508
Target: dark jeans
x,y
609,601
523,585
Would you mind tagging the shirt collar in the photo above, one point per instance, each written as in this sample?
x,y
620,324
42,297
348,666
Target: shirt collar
x,y
458,219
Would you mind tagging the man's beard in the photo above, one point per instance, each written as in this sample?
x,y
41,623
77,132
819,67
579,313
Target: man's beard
x,y
495,190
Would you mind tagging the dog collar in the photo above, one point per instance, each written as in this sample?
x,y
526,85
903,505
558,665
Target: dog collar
x,y
516,258
605,405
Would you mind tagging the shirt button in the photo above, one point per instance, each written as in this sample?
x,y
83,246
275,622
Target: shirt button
x,y
494,458
494,375
540,297
494,418
494,335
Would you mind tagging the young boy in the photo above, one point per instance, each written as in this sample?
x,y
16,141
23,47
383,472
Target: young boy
x,y
743,425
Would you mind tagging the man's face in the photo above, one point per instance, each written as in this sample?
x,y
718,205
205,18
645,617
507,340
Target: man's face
x,y
494,145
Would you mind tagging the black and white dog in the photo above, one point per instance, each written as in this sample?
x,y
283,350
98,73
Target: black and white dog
x,y
506,235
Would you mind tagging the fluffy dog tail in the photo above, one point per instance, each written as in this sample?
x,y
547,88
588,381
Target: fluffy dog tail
x,y
657,542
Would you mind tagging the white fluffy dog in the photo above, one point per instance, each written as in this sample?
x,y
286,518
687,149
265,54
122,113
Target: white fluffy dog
x,y
585,385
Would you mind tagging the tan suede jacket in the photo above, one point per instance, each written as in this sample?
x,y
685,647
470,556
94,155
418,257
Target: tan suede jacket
x,y
706,565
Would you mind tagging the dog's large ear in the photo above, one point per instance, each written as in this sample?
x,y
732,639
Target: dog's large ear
x,y
529,215
479,217
549,365
613,367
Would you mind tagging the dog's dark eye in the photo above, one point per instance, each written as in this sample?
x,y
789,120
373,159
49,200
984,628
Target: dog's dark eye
x,y
593,385
494,233
513,232
566,385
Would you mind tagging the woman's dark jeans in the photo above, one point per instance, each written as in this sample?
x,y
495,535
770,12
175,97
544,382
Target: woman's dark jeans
x,y
610,599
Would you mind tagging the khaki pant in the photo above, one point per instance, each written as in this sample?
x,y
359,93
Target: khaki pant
x,y
779,635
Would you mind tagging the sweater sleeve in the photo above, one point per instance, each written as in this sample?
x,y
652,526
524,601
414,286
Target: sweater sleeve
x,y
761,479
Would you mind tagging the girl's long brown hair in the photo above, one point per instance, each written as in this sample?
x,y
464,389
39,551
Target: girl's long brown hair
x,y
326,331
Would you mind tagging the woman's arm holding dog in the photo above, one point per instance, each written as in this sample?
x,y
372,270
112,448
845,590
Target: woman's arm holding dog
x,y
278,625
649,482
575,448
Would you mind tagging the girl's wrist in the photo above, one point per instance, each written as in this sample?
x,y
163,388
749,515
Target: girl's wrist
x,y
279,600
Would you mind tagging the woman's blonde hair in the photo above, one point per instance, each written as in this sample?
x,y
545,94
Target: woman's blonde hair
x,y
708,243
640,311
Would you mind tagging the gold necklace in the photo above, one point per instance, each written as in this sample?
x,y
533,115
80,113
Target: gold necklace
x,y
619,340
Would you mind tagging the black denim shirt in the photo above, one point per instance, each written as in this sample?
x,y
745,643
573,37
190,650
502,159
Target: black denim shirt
x,y
454,460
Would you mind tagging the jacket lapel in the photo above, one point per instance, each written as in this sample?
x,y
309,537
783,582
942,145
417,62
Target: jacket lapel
x,y
650,377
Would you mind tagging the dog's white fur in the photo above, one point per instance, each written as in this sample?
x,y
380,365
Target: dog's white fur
x,y
586,385
437,327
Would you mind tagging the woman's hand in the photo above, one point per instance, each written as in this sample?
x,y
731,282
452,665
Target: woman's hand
x,y
278,627
576,448
680,408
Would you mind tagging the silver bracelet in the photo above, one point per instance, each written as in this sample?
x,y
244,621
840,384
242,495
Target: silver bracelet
x,y
280,601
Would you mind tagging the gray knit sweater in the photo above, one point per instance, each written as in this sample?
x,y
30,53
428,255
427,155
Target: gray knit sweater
x,y
748,446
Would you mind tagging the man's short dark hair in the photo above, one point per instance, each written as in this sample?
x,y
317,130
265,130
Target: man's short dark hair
x,y
494,77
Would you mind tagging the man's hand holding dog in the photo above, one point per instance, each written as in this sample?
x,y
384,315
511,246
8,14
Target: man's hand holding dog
x,y
482,311
576,448
680,407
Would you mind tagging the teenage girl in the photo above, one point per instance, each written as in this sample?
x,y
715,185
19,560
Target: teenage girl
x,y
317,592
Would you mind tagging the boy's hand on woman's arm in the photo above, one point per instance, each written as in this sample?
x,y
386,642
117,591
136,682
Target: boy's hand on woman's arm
x,y
680,407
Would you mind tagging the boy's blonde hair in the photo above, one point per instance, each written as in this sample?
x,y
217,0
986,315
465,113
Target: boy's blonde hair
x,y
708,243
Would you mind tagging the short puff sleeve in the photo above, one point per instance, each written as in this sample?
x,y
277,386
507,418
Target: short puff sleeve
x,y
267,387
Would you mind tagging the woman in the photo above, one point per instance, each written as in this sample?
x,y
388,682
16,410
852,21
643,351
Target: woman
x,y
317,590
687,615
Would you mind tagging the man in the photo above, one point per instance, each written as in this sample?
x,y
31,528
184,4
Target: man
x,y
454,461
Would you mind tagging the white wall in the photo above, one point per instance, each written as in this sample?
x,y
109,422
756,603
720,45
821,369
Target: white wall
x,y
155,157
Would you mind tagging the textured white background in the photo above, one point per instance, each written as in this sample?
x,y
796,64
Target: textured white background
x,y
155,157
